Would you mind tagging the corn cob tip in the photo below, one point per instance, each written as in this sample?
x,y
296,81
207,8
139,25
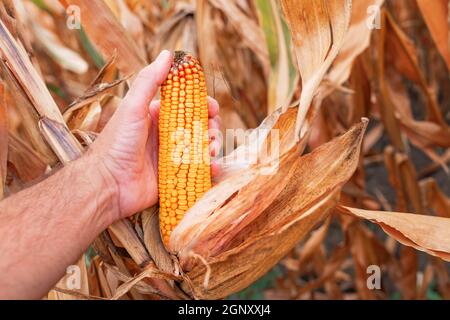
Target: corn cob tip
x,y
179,56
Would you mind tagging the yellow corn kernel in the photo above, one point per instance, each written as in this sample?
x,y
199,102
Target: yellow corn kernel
x,y
184,163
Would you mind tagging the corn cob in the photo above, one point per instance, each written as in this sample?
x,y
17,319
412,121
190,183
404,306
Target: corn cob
x,y
184,162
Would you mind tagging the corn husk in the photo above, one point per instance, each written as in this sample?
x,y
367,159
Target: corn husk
x,y
240,237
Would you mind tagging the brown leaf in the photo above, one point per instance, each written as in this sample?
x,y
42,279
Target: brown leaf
x,y
153,241
402,56
91,95
425,233
356,40
423,134
123,230
149,272
318,29
239,84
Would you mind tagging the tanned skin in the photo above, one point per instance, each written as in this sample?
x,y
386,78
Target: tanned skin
x,y
47,227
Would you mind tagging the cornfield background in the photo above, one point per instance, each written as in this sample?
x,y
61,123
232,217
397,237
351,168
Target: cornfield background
x,y
391,65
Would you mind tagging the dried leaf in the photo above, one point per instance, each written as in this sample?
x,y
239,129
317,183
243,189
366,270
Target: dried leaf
x,y
401,55
123,230
318,29
356,40
148,272
425,233
153,241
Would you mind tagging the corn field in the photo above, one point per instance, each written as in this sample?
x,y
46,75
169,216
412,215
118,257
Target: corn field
x,y
354,95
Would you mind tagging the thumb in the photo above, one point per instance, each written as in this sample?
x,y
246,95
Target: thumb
x,y
145,86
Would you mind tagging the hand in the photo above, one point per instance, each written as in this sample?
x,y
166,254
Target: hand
x,y
127,149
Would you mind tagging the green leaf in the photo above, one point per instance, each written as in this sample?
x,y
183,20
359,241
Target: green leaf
x,y
89,47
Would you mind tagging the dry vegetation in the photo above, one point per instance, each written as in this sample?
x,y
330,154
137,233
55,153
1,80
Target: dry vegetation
x,y
59,86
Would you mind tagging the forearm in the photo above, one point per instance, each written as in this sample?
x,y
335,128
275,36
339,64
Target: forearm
x,y
47,227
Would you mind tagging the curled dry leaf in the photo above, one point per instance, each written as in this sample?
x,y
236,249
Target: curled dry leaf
x,y
425,233
356,40
318,29
423,133
249,221
149,272
402,56
92,94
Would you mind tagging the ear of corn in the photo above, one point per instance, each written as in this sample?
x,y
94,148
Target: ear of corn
x,y
184,161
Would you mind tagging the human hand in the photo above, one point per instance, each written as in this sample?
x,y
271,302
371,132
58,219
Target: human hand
x,y
127,149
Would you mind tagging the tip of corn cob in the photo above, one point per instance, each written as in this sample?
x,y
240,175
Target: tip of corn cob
x,y
184,163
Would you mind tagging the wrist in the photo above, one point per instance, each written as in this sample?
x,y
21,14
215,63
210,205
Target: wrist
x,y
105,188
